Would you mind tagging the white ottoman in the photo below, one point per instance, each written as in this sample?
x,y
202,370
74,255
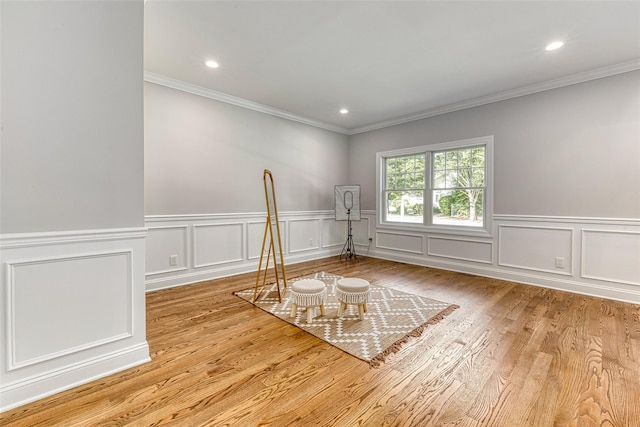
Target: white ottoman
x,y
308,293
352,291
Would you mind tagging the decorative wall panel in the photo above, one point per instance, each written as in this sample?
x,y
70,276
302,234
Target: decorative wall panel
x,y
74,303
361,231
215,244
334,233
460,249
536,248
399,242
255,234
304,235
611,255
163,243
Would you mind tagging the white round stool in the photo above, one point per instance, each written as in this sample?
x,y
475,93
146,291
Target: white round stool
x,y
353,291
308,293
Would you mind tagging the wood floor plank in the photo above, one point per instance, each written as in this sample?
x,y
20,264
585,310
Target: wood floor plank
x,y
511,355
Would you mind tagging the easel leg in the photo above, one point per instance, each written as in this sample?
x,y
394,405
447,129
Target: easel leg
x,y
264,241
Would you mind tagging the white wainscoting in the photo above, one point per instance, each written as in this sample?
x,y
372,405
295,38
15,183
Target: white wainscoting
x,y
164,243
218,245
542,245
611,255
74,310
255,233
460,249
334,233
304,234
591,256
400,242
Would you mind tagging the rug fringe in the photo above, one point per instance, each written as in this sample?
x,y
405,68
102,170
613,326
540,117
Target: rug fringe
x,y
398,345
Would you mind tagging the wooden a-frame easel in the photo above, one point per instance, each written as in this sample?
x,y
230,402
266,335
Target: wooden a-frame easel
x,y
275,242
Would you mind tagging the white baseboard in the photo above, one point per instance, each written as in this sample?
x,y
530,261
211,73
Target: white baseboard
x,y
70,376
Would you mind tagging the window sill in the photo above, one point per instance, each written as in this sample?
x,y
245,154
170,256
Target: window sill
x,y
436,229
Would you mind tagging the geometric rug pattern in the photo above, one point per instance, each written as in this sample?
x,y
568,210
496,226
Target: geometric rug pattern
x,y
392,317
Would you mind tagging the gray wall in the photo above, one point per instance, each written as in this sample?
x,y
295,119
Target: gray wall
x,y
572,151
203,156
72,116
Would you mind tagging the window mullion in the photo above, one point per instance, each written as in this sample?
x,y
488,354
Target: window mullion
x,y
427,214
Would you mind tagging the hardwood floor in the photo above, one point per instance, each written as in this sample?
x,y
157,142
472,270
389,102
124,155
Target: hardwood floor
x,y
511,355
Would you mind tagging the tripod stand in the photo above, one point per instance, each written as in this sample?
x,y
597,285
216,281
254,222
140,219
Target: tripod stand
x,y
349,249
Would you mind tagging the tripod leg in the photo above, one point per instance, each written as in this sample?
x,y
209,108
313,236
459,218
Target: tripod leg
x,y
353,249
345,249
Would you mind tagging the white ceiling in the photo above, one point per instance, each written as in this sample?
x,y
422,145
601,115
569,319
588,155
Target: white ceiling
x,y
387,62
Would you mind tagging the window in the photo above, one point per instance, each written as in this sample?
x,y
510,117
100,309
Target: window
x,y
458,186
443,186
404,189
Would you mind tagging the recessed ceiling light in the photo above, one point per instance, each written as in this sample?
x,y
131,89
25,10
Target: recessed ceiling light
x,y
343,111
211,64
554,46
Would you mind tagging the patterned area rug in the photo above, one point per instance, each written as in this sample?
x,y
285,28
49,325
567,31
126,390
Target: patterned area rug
x,y
392,317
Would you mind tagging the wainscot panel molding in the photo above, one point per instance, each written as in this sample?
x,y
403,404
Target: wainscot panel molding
x,y
334,233
545,247
460,249
159,239
228,244
74,310
217,243
590,256
304,234
611,255
255,235
400,242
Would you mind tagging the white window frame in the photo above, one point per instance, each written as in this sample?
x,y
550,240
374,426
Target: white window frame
x,y
427,150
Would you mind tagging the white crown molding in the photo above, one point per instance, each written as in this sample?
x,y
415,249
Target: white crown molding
x,y
240,102
586,76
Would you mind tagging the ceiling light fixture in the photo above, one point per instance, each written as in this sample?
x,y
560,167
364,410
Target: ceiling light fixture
x,y
554,46
343,111
211,64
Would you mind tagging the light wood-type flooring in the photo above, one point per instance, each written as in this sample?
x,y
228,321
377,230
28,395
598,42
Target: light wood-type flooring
x,y
511,355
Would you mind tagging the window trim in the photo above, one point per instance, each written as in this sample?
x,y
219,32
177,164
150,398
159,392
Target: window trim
x,y
428,150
